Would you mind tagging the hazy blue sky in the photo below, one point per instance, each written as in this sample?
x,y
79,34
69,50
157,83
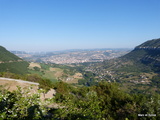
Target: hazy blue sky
x,y
48,25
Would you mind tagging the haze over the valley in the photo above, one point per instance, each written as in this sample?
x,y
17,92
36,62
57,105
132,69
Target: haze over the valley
x,y
38,25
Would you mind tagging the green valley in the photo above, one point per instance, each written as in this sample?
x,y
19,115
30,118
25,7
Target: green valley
x,y
124,88
55,72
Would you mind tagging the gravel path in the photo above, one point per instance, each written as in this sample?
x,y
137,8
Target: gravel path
x,y
22,81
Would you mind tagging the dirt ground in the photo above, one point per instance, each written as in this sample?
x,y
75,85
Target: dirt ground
x,y
12,85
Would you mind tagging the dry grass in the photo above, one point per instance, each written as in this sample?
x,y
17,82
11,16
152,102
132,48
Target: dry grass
x,y
57,72
78,76
12,85
32,65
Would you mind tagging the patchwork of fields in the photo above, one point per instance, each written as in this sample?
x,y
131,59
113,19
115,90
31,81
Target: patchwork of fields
x,y
55,73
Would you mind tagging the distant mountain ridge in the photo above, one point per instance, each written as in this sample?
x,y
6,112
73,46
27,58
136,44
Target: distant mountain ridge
x,y
147,53
150,44
12,63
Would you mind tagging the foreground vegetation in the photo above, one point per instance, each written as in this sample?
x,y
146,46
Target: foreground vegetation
x,y
94,96
104,101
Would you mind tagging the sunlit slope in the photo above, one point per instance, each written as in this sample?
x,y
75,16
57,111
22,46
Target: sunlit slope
x,y
11,63
148,54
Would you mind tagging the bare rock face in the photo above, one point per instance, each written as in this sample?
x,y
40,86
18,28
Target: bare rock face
x,y
48,95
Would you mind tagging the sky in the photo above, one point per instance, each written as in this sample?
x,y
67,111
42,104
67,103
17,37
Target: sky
x,y
51,25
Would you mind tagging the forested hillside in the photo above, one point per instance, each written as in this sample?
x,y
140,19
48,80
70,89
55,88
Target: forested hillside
x,y
11,63
147,53
6,56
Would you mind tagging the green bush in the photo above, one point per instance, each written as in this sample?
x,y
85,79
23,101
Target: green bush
x,y
21,105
